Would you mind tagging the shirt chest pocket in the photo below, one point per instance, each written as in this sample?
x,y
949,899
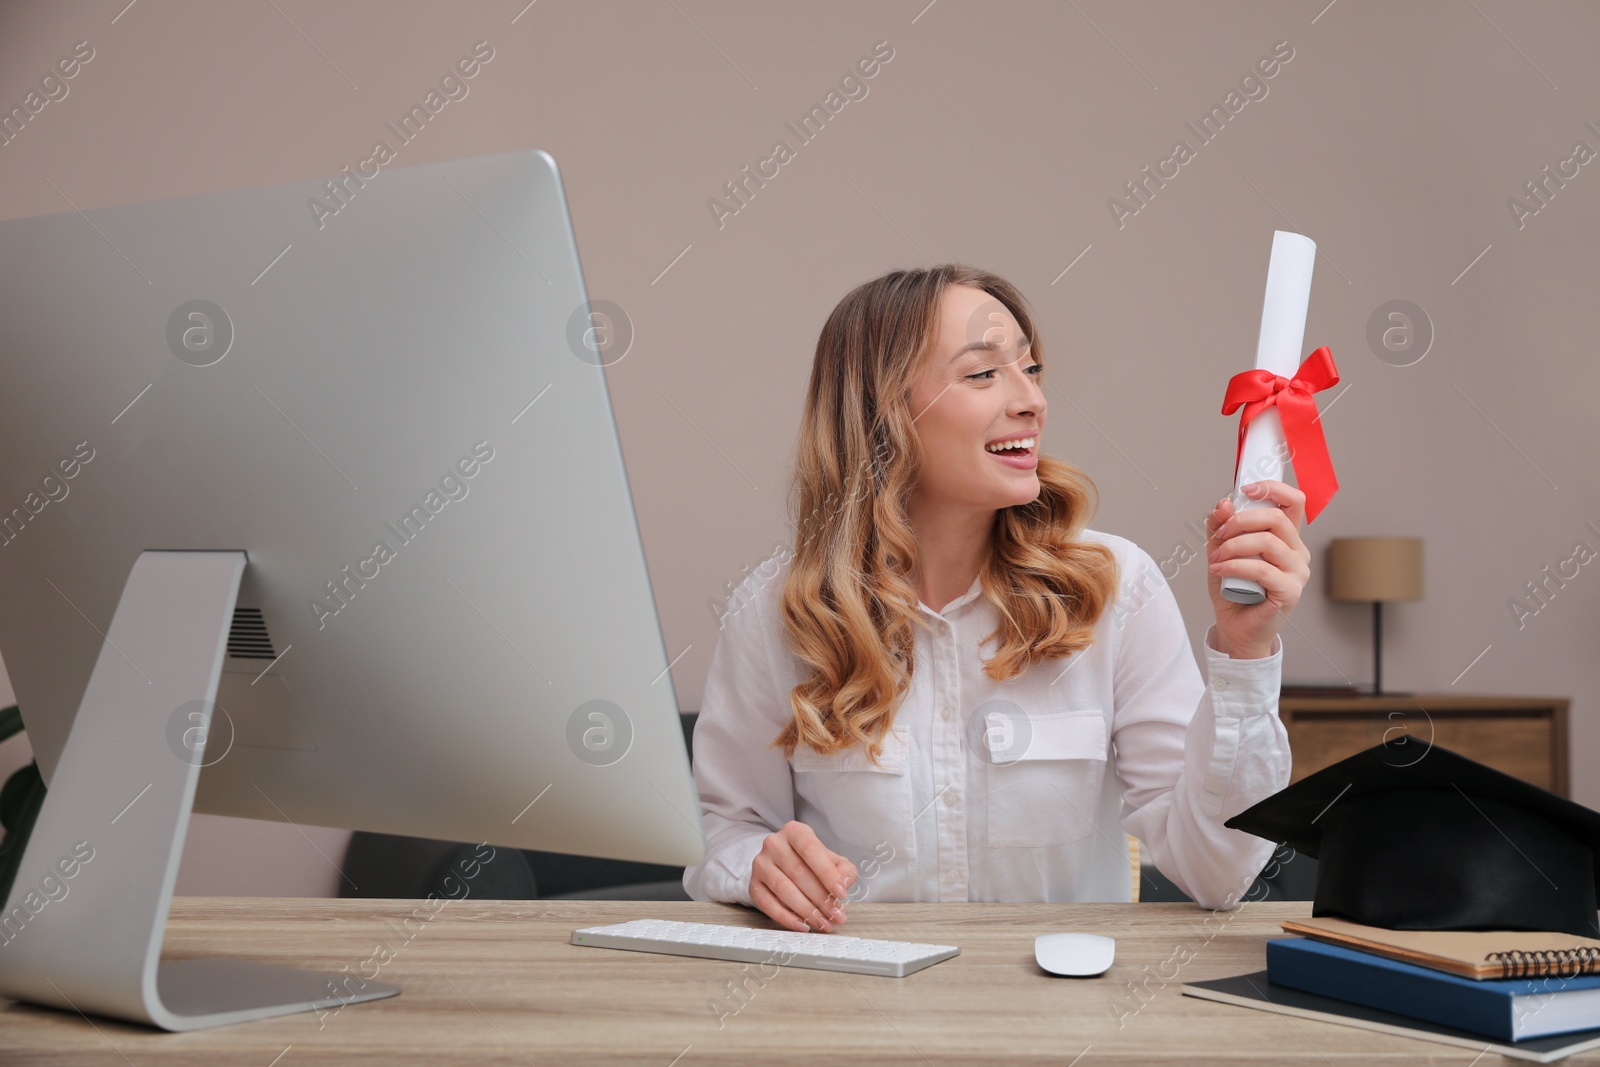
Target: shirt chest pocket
x,y
864,804
1048,793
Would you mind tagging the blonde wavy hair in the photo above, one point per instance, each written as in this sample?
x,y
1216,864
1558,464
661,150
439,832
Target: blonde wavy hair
x,y
849,605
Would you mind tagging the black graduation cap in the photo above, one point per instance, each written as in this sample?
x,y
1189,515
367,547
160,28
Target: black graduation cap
x,y
1411,836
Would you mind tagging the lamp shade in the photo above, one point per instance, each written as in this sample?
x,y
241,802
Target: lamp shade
x,y
1375,568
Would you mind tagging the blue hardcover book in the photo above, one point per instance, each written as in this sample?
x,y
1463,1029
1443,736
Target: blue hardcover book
x,y
1510,1009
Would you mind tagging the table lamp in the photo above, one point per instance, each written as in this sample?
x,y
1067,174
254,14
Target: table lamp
x,y
1375,569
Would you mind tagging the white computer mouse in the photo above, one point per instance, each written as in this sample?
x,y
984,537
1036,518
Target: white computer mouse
x,y
1077,955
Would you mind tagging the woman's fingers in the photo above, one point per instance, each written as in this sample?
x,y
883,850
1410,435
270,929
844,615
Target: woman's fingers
x,y
1263,544
815,870
845,871
802,878
822,863
1270,578
1275,520
824,904
792,897
1264,558
1219,515
795,910
773,908
1268,545
1286,496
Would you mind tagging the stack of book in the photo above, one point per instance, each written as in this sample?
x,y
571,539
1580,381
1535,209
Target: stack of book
x,y
1408,834
1533,995
1506,984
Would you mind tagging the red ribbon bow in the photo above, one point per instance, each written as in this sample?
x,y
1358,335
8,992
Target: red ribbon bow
x,y
1258,390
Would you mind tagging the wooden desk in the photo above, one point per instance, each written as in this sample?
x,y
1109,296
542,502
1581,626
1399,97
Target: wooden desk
x,y
499,982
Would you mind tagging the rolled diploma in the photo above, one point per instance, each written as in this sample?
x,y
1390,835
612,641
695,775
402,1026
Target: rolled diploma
x,y
1283,331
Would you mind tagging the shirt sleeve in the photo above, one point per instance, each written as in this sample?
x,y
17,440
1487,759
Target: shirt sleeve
x,y
1191,752
746,787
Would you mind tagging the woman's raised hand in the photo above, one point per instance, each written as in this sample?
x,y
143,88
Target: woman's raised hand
x,y
1263,544
798,882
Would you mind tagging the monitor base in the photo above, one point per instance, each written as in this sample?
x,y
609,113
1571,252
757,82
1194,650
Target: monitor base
x,y
82,930
213,992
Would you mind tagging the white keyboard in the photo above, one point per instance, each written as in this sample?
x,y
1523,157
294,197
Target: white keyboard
x,y
824,952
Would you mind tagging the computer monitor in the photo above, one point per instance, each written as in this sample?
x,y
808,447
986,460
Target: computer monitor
x,y
312,508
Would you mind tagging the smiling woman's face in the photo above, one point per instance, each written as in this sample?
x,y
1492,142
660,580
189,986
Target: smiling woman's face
x,y
968,398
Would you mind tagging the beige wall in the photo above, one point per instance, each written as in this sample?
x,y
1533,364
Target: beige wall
x,y
995,135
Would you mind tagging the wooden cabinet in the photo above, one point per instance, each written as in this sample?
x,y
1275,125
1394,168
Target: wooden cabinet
x,y
1523,736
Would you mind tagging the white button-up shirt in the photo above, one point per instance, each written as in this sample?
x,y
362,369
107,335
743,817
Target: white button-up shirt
x,y
1022,790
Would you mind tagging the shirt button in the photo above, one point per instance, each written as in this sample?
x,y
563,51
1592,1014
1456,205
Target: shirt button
x,y
948,714
952,875
949,799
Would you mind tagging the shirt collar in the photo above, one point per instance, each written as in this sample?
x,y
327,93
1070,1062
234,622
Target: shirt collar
x,y
965,598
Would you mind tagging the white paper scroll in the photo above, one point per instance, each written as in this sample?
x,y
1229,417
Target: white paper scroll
x,y
1283,331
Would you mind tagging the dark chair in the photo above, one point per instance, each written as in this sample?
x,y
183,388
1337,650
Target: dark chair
x,y
1287,876
391,865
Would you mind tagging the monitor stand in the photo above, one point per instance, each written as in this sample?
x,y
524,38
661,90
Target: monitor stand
x,y
83,928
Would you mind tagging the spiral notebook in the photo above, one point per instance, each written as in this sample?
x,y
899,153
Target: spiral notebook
x,y
1469,953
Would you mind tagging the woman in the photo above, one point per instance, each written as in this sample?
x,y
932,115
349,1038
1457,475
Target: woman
x,y
853,726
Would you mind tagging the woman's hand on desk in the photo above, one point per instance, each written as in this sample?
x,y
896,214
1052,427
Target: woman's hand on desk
x,y
795,880
1246,631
